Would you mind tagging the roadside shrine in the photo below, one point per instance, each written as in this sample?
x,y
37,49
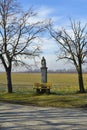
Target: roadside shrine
x,y
44,86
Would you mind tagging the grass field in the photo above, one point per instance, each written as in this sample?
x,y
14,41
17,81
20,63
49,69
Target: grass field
x,y
63,92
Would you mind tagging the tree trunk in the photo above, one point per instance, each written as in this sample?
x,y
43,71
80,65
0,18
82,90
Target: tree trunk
x,y
9,81
80,79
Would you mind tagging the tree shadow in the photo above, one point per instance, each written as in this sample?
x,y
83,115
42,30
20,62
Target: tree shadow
x,y
38,118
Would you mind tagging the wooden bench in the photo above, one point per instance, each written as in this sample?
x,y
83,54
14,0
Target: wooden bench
x,y
43,87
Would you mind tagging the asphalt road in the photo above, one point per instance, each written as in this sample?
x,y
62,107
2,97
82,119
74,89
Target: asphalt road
x,y
20,117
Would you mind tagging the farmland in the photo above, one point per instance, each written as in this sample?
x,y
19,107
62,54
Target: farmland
x,y
63,93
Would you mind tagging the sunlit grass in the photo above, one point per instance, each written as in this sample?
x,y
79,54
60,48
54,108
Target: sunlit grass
x,y
63,93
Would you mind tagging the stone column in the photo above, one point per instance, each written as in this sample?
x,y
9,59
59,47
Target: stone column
x,y
43,71
44,74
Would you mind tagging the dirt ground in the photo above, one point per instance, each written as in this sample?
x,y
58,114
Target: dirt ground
x,y
20,117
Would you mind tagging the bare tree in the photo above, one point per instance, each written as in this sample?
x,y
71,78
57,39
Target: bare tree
x,y
17,36
73,44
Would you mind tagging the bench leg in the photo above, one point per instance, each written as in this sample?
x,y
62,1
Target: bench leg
x,y
48,91
37,90
43,90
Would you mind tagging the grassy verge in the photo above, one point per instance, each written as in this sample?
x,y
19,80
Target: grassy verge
x,y
52,100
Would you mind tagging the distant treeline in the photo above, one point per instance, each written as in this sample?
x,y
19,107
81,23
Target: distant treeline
x,y
54,71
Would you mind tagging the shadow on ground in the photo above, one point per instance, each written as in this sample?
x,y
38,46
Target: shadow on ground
x,y
20,117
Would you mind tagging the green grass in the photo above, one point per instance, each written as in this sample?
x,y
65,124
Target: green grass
x,y
63,93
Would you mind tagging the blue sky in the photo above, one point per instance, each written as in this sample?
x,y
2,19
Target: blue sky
x,y
59,11
75,8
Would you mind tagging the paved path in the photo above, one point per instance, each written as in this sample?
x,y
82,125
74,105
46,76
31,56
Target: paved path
x,y
19,117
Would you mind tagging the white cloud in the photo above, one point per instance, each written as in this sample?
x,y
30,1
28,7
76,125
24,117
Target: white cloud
x,y
44,14
44,11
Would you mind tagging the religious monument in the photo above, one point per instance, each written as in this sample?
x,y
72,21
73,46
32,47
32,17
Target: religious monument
x,y
44,86
43,71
